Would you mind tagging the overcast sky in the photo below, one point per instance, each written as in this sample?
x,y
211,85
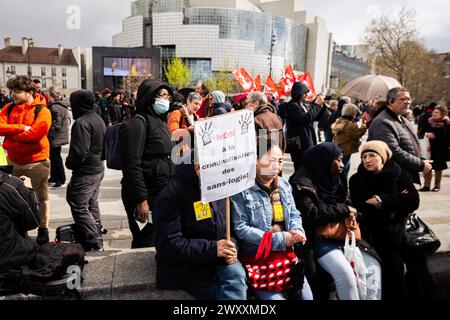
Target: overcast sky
x,y
46,20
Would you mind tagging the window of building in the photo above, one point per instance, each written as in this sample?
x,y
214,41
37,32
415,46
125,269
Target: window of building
x,y
44,83
30,71
64,72
11,70
53,72
43,71
64,84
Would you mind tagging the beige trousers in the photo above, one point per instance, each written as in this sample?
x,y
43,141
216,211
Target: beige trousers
x,y
38,173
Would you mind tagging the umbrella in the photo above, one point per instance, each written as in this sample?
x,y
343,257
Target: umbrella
x,y
371,87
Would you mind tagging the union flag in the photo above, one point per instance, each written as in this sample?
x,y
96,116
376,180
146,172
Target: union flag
x,y
258,85
306,78
287,80
244,79
271,87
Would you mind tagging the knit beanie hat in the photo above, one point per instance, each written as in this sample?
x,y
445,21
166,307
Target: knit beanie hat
x,y
379,147
219,96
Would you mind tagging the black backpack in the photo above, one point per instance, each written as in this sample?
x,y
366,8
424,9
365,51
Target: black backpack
x,y
12,105
113,147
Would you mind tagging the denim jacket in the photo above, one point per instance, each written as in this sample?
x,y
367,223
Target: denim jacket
x,y
252,217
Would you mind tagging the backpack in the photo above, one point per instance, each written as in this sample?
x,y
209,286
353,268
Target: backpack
x,y
48,273
12,105
113,147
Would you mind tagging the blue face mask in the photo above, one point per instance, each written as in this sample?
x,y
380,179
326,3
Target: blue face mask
x,y
161,106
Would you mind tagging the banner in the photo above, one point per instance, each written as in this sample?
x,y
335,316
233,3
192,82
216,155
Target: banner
x,y
227,154
245,80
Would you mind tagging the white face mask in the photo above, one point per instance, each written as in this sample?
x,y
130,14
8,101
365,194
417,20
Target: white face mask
x,y
161,106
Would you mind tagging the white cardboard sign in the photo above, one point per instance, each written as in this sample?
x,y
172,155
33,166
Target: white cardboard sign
x,y
226,148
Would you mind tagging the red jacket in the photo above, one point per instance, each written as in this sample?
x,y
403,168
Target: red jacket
x,y
26,147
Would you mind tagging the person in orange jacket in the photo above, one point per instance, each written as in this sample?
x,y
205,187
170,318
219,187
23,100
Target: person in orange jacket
x,y
25,124
41,96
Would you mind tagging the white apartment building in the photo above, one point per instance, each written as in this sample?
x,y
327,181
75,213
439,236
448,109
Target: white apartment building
x,y
52,66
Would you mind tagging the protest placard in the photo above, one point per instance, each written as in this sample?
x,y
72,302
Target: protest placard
x,y
226,147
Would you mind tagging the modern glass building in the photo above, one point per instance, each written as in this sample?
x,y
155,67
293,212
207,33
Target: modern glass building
x,y
348,63
214,35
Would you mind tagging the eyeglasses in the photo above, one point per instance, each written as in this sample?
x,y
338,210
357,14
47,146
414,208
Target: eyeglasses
x,y
164,95
404,99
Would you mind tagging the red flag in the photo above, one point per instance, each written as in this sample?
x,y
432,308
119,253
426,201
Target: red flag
x,y
306,78
287,80
271,87
289,73
258,85
244,79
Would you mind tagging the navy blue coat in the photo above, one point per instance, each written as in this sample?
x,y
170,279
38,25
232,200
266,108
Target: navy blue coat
x,y
186,249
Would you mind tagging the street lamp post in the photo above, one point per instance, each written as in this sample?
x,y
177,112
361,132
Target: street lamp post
x,y
30,73
272,44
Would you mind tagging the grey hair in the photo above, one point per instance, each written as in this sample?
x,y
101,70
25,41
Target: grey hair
x,y
392,94
346,99
258,97
334,102
349,110
194,96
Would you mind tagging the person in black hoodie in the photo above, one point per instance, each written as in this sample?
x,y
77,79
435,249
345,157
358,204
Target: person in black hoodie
x,y
300,122
385,194
192,253
85,160
147,167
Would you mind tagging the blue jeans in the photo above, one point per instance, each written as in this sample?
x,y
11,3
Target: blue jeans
x,y
231,285
335,263
305,294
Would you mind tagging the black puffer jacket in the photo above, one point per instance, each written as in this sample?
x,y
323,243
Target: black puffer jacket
x,y
18,214
88,135
186,249
147,165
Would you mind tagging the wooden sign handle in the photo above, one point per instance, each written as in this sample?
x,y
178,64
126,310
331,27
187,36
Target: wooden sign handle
x,y
228,219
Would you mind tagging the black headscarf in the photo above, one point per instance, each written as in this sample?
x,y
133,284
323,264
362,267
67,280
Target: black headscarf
x,y
317,162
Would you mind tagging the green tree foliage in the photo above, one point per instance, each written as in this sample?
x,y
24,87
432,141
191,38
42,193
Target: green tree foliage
x,y
178,73
223,81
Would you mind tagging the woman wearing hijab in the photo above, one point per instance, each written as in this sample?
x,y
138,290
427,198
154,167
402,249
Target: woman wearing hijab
x,y
320,193
147,167
385,194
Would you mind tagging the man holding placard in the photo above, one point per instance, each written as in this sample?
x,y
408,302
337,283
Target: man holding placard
x,y
195,250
